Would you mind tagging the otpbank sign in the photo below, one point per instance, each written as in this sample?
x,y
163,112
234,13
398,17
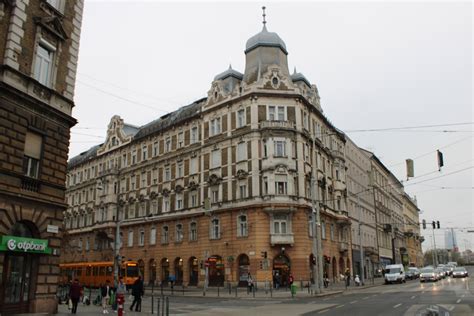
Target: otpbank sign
x,y
25,245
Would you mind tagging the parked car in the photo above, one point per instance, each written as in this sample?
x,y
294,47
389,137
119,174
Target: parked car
x,y
412,273
460,272
428,274
394,273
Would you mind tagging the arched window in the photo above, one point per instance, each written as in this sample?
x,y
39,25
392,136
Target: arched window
x,y
242,230
164,235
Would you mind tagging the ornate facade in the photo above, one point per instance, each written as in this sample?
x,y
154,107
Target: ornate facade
x,y
226,182
38,60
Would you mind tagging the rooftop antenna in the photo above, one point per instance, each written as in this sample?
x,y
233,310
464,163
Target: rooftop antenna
x,y
264,15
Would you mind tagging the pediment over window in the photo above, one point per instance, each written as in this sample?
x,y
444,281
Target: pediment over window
x,y
241,174
193,185
214,179
178,189
53,25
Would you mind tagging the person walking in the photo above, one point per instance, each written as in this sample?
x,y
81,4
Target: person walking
x,y
348,277
290,280
137,293
120,296
75,293
105,292
249,283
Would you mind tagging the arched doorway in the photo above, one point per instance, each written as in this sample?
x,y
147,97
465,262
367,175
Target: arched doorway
x,y
17,282
165,271
193,271
341,265
244,269
216,271
281,270
152,269
178,271
334,268
141,268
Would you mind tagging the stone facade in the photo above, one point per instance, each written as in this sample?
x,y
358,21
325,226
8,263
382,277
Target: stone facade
x,y
254,151
414,254
39,41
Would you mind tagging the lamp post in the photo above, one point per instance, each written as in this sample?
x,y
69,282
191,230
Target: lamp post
x,y
316,224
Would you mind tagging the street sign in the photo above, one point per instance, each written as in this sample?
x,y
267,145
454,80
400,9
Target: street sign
x,y
52,229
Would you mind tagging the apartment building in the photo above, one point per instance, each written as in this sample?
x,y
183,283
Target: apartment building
x,y
38,60
413,255
226,183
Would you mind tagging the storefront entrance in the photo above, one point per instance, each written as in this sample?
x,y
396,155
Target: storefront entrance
x,y
216,271
16,283
244,269
281,271
193,271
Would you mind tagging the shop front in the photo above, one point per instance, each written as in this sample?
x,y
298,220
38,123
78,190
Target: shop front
x,y
216,271
19,271
281,270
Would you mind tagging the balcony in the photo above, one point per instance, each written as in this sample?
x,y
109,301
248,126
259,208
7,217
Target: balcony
x,y
282,239
30,184
339,185
338,154
343,246
277,124
369,250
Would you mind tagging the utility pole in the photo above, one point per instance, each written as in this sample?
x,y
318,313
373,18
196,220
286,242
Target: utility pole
x,y
435,261
360,242
316,247
117,236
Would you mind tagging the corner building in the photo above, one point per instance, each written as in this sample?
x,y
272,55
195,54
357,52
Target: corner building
x,y
225,182
39,43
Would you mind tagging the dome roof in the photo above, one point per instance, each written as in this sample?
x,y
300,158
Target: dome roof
x,y
265,38
229,73
298,76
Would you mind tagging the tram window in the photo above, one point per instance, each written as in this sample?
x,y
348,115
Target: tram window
x,y
132,271
88,271
108,271
95,271
102,271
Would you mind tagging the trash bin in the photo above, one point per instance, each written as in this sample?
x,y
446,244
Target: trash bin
x,y
293,289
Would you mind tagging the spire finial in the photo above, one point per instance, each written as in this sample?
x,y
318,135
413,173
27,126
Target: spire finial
x,y
264,15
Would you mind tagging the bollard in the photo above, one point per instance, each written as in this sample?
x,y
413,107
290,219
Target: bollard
x,y
167,306
161,286
158,306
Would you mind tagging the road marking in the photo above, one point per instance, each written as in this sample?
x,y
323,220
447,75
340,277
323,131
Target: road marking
x,y
397,305
451,308
324,311
367,297
459,300
353,302
339,306
413,297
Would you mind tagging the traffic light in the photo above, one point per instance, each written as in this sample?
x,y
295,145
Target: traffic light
x,y
424,224
440,160
437,224
434,224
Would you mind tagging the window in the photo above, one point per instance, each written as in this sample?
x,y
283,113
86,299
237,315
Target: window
x,y
134,157
179,201
241,151
143,178
44,63
215,195
155,149
240,118
32,155
305,120
306,153
310,226
180,140
215,229
57,4
276,113
215,158
215,127
323,230
279,224
280,148
141,209
167,175
242,191
180,170
164,235
154,207
193,231
168,144
194,135
131,211
79,245
265,149
144,153
265,185
331,231
242,226
130,238
179,233
193,165
87,244
141,237
153,235
166,204
281,188
193,199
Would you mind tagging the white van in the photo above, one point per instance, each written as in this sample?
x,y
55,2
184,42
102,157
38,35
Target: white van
x,y
394,273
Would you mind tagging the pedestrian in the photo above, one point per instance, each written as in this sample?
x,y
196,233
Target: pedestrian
x,y
137,293
290,280
326,280
348,277
105,292
75,293
249,283
357,280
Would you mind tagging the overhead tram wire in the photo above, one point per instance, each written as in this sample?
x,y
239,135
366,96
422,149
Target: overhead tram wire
x,y
407,127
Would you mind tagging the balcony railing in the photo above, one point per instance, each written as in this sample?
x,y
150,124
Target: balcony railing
x,y
343,246
282,239
277,124
30,184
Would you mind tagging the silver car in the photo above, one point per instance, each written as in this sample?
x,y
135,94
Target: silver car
x,y
428,274
460,272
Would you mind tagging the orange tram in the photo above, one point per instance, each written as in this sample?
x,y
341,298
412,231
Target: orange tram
x,y
96,273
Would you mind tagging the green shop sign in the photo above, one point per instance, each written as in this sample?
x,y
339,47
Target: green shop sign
x,y
22,244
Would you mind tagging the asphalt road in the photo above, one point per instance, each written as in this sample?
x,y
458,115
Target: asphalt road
x,y
448,297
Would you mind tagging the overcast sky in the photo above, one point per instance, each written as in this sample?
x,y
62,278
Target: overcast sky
x,y
376,64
